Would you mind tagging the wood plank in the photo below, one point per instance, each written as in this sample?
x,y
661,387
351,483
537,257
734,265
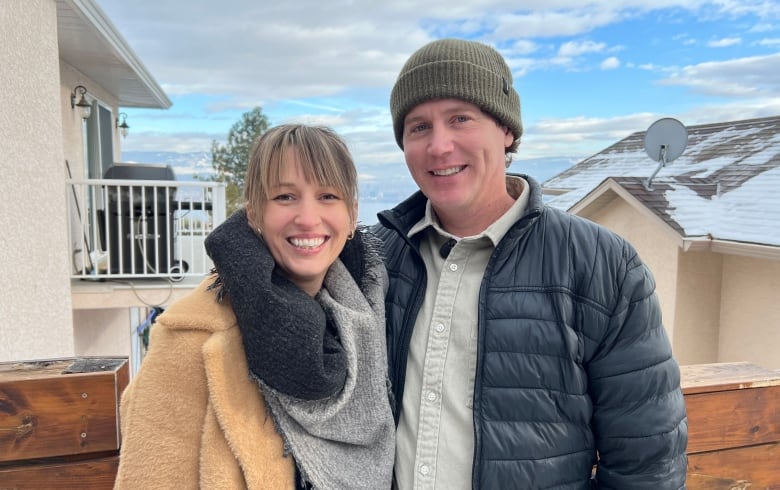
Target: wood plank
x,y
701,378
754,467
87,474
736,418
59,407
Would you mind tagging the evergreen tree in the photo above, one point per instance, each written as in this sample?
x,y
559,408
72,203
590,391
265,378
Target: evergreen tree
x,y
230,160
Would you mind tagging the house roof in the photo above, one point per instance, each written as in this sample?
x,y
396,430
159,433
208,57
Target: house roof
x,y
724,186
89,42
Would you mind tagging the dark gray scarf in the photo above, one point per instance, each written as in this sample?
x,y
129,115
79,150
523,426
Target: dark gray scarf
x,y
320,362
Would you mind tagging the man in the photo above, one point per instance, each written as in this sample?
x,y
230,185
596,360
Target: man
x,y
525,344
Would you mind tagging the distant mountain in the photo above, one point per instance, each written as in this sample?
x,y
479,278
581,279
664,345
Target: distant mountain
x,y
543,169
184,165
381,185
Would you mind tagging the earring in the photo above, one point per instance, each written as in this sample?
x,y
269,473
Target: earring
x,y
259,230
351,234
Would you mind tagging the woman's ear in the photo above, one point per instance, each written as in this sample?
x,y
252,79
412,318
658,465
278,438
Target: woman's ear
x,y
252,218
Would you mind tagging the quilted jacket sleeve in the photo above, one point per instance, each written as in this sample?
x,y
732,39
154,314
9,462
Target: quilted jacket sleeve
x,y
639,418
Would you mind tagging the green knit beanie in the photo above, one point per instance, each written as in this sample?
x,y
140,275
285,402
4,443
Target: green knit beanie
x,y
455,68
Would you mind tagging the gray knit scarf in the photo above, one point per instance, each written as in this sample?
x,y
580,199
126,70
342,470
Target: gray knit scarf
x,y
321,363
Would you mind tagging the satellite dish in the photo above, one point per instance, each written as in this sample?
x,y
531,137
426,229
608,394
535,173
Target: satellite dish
x,y
665,140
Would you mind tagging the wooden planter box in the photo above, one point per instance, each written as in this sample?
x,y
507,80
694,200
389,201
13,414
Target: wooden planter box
x,y
59,422
733,426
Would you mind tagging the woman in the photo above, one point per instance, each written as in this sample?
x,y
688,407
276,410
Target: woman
x,y
273,373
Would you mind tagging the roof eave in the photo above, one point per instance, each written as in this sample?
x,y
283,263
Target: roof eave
x,y
687,243
755,250
145,91
610,185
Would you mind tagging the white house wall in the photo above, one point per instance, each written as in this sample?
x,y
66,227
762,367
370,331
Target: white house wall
x,y
750,314
697,317
35,301
102,332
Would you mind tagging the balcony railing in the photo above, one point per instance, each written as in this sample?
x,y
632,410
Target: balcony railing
x,y
134,229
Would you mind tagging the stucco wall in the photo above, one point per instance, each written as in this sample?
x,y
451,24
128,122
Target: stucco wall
x,y
73,125
750,313
697,319
96,332
102,332
35,304
109,332
657,249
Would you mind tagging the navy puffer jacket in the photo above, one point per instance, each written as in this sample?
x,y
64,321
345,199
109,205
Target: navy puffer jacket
x,y
574,367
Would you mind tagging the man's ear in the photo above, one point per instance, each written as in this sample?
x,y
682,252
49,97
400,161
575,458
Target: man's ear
x,y
509,137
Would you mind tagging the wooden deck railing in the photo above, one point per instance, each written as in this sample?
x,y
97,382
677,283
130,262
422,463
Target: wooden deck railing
x,y
59,424
733,426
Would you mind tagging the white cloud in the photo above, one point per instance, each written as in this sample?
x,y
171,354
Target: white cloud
x,y
763,27
555,19
183,142
523,47
277,50
724,42
742,77
318,61
580,136
610,63
737,110
577,48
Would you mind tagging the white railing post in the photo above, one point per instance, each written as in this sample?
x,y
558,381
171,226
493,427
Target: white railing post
x,y
220,203
112,237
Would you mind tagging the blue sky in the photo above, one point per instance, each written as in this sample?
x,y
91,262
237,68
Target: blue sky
x,y
588,73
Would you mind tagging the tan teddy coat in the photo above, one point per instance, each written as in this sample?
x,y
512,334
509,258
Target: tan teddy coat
x,y
192,417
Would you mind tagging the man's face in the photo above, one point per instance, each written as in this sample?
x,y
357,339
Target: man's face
x,y
455,153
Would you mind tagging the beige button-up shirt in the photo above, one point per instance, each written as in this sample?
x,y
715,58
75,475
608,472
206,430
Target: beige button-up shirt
x,y
435,437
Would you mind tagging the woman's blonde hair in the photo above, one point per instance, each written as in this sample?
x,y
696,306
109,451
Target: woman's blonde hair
x,y
323,156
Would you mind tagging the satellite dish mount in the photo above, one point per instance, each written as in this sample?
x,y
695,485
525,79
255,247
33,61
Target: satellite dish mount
x,y
665,140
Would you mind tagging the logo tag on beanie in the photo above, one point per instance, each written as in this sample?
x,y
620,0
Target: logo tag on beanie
x,y
505,85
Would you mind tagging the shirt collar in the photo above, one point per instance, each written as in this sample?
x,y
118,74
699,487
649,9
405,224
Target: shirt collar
x,y
517,187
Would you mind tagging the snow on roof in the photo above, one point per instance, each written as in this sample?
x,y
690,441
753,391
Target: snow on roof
x,y
726,184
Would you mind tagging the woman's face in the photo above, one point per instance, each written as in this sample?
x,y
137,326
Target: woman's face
x,y
305,225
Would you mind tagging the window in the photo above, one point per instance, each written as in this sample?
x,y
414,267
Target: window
x,y
99,141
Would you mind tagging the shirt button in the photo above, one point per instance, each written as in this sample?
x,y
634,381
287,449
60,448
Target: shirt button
x,y
431,396
439,327
424,469
453,267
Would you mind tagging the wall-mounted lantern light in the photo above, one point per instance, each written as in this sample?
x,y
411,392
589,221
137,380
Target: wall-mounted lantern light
x,y
84,107
122,125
